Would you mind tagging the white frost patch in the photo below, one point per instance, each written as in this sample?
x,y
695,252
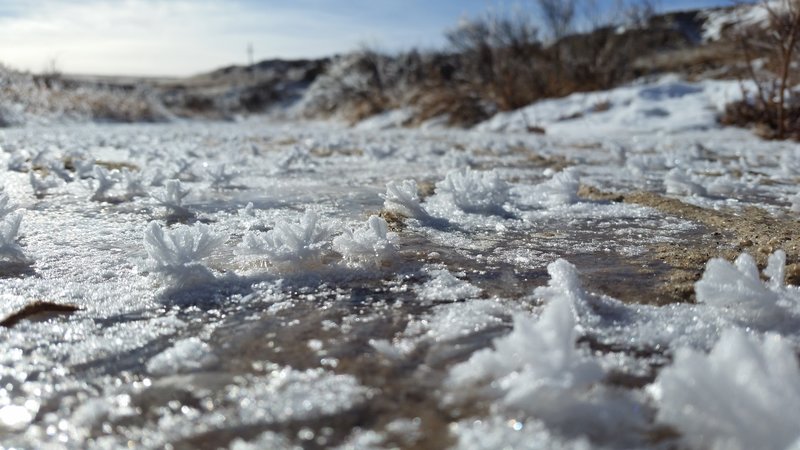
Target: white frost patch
x,y
444,286
743,395
368,246
187,355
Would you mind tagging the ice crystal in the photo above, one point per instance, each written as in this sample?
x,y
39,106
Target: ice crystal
x,y
738,288
295,159
744,394
288,244
172,197
9,248
104,182
562,189
474,191
403,199
370,245
444,286
133,184
187,355
41,185
536,355
177,253
679,183
220,176
6,207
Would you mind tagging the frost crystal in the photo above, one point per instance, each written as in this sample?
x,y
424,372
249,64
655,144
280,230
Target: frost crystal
x,y
42,185
105,181
562,189
295,159
367,246
220,177
679,183
177,253
289,245
133,184
742,395
403,199
475,192
533,363
443,286
738,288
9,249
187,355
6,207
172,198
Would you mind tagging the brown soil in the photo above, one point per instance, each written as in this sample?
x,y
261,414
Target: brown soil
x,y
727,233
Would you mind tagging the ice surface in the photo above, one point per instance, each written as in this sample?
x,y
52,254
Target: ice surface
x,y
741,395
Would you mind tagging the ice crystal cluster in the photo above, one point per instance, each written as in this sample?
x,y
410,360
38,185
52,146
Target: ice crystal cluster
x,y
10,221
171,197
370,245
744,394
561,189
679,182
536,366
476,192
289,245
403,199
177,253
737,288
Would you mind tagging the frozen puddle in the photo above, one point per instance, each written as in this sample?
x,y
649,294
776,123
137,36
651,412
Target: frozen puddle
x,y
259,285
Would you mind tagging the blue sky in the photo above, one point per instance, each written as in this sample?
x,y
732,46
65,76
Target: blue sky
x,y
181,37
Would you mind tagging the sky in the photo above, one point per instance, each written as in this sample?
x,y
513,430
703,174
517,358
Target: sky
x,y
184,37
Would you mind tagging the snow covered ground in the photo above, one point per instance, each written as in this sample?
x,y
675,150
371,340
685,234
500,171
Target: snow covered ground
x,y
303,285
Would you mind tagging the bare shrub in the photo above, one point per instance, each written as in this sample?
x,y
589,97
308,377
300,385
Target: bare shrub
x,y
771,56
